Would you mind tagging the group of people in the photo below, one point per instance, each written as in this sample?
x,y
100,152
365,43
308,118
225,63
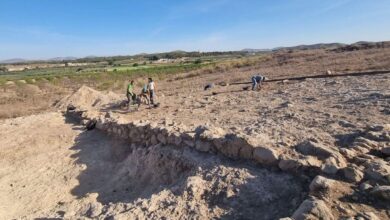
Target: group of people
x,y
148,93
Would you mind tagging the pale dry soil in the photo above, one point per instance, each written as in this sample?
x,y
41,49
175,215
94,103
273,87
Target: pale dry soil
x,y
52,168
329,110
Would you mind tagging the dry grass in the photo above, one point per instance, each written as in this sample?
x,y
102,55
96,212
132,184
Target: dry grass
x,y
25,99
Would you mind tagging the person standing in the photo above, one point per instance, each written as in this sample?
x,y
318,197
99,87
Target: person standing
x,y
152,91
129,92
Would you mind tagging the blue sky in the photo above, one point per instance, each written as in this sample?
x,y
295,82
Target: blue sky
x,y
36,29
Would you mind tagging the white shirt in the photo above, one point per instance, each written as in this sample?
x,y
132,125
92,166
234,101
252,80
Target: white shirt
x,y
151,86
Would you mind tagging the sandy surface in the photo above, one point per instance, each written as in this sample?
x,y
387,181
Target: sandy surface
x,y
52,168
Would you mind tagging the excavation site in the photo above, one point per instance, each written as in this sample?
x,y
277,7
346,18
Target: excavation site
x,y
312,142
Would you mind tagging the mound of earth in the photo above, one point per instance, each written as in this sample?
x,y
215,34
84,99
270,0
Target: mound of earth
x,y
88,98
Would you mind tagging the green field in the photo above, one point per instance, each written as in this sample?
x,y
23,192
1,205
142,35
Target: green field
x,y
105,75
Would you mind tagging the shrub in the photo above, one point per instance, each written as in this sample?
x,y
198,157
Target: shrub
x,y
198,61
153,58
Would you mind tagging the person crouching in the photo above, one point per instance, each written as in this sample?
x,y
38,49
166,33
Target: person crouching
x,y
256,81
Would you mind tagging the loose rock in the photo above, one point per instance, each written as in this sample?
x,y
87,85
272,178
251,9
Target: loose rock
x,y
313,209
382,192
353,174
267,156
321,183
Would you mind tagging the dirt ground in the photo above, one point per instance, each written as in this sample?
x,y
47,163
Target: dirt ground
x,y
59,170
51,167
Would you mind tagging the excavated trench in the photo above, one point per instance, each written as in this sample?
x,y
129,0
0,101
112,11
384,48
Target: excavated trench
x,y
161,181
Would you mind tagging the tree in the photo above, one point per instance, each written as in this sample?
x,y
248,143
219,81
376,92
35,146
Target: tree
x,y
198,61
135,64
153,58
3,69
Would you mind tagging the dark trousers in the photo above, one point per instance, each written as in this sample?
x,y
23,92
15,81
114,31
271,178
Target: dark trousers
x,y
151,92
130,97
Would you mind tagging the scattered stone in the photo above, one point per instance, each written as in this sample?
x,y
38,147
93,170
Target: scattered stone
x,y
161,138
378,136
362,142
353,174
382,192
294,164
377,170
91,124
314,149
365,186
210,133
386,151
332,165
321,183
266,156
348,153
209,86
233,145
313,209
286,105
368,216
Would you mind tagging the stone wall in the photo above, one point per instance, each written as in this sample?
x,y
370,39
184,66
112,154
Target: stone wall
x,y
309,155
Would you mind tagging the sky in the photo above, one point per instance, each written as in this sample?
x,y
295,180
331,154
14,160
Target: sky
x,y
41,29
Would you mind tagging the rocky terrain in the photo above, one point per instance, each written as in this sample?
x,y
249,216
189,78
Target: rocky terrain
x,y
296,149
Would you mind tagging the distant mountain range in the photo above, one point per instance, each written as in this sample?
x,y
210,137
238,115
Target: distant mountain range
x,y
299,47
20,60
333,46
357,45
63,58
15,60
